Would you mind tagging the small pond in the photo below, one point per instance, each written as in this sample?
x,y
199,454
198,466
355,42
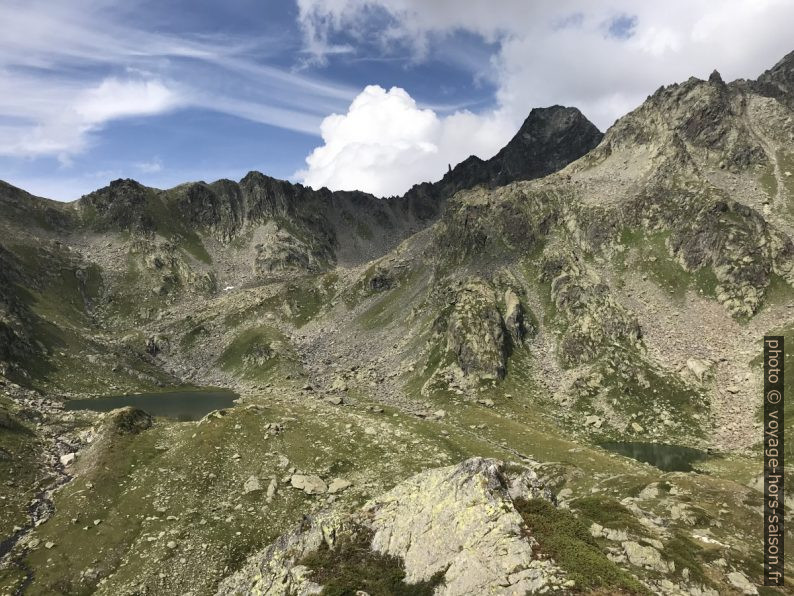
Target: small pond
x,y
671,458
182,404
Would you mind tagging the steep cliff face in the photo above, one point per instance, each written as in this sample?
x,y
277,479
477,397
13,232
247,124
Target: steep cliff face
x,y
778,81
548,140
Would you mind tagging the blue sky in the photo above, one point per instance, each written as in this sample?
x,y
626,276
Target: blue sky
x,y
368,94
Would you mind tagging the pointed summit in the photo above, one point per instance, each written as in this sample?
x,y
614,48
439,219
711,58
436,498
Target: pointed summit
x,y
548,140
716,78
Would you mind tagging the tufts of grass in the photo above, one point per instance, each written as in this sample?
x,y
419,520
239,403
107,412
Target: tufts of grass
x,y
686,553
768,181
778,292
260,353
568,541
654,260
300,301
609,512
19,468
351,566
390,306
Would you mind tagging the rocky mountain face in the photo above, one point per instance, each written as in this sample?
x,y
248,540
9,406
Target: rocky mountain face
x,y
351,227
548,140
575,291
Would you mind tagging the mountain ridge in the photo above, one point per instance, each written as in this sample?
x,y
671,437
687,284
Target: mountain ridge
x,y
529,329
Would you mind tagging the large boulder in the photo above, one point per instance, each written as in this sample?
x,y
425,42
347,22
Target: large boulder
x,y
309,483
127,421
456,526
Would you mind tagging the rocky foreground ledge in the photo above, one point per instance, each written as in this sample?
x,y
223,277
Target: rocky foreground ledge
x,y
479,527
451,530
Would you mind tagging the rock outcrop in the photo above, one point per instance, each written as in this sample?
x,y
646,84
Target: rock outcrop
x,y
514,317
594,319
548,140
475,332
457,523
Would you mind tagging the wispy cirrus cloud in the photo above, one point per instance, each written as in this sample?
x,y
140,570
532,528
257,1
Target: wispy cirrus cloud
x,y
68,69
59,120
150,167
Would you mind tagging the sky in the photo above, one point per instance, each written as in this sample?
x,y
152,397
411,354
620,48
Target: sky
x,y
373,95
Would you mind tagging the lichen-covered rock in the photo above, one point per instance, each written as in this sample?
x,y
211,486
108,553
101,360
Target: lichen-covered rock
x,y
458,521
278,250
277,570
699,367
311,484
595,320
251,485
475,332
647,557
740,582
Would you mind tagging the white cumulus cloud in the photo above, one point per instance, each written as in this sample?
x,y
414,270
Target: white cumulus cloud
x,y
603,58
385,143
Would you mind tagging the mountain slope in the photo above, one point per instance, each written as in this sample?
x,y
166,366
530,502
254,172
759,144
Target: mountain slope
x,y
571,292
192,240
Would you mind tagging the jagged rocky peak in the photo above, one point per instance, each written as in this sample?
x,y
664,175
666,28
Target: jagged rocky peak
x,y
715,77
719,121
548,140
547,124
781,76
696,111
122,189
120,205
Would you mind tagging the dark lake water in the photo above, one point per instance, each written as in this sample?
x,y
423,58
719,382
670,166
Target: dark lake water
x,y
671,458
182,405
